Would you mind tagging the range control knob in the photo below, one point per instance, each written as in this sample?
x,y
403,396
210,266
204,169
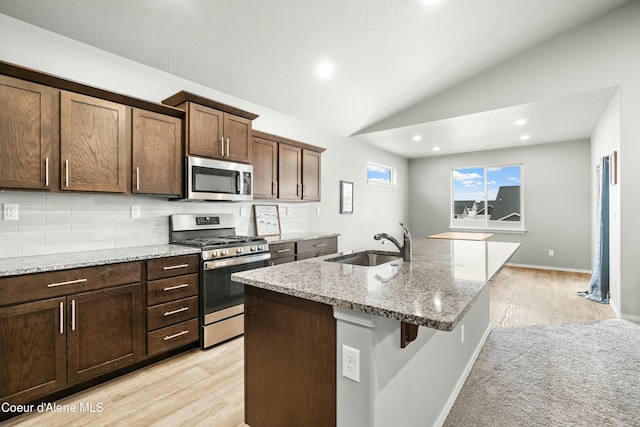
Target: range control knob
x,y
224,252
214,254
253,248
261,247
205,255
239,251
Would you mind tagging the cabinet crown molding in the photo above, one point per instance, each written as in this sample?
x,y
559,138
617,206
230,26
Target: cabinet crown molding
x,y
184,96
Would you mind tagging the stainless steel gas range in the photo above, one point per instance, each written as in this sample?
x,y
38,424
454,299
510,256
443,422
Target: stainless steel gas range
x,y
223,253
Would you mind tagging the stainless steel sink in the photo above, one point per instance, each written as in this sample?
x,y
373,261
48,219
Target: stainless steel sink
x,y
367,258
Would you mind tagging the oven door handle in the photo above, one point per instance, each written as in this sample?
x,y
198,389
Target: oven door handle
x,y
210,265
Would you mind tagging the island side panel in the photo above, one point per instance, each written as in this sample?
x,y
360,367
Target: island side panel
x,y
290,360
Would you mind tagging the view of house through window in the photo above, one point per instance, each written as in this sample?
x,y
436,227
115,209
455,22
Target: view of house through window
x,y
487,197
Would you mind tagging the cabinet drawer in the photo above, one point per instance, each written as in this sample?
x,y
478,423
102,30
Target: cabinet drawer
x,y
171,312
29,287
173,288
327,245
173,266
172,336
283,260
282,250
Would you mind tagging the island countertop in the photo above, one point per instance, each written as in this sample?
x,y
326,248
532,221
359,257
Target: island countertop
x,y
435,289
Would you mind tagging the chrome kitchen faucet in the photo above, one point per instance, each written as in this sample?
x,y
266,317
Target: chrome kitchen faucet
x,y
405,249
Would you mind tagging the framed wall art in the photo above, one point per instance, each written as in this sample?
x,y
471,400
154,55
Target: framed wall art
x,y
267,220
346,197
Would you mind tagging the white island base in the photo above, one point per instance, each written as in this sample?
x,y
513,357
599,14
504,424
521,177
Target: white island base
x,y
412,386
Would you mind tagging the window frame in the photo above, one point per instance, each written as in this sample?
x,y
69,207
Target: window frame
x,y
487,225
393,175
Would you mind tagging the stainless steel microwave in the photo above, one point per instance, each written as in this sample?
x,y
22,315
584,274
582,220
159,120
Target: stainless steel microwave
x,y
207,179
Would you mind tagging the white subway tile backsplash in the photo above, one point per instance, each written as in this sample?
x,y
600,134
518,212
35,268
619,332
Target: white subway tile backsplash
x,y
73,222
33,250
8,230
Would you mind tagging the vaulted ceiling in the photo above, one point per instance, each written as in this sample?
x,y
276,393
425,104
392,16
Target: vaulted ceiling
x,y
380,56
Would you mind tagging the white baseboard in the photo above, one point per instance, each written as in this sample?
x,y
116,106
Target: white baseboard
x,y
467,370
630,317
615,309
545,267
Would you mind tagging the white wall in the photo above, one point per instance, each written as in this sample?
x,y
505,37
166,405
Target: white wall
x,y
604,141
557,206
412,386
97,222
600,54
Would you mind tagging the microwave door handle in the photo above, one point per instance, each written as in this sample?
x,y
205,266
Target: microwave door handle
x,y
239,183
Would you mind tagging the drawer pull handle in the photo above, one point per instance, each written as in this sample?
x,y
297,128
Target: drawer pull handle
x,y
46,172
319,244
283,250
173,267
172,288
170,337
70,282
179,310
62,318
73,315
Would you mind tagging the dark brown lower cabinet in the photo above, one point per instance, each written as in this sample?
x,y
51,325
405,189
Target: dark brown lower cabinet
x,y
290,361
33,350
47,345
106,331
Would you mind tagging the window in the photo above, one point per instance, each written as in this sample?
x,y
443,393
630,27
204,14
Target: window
x,y
380,174
489,198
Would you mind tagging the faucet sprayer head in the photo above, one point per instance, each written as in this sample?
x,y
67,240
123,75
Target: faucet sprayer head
x,y
377,236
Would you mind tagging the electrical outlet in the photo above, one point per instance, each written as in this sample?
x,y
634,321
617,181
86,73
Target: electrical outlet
x,y
135,212
552,252
317,211
10,212
351,363
462,334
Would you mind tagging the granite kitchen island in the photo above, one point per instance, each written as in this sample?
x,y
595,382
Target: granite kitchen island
x,y
300,317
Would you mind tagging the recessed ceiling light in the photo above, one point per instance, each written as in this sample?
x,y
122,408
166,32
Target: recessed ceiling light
x,y
524,137
436,148
416,138
520,122
325,69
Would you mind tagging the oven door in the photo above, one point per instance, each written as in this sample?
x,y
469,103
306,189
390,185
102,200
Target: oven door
x,y
218,291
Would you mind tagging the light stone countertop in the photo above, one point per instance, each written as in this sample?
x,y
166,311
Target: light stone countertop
x,y
435,290
296,237
64,261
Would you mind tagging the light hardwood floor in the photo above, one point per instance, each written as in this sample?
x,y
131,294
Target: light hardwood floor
x,y
527,296
205,388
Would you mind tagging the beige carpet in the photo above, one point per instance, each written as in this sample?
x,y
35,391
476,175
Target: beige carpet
x,y
580,374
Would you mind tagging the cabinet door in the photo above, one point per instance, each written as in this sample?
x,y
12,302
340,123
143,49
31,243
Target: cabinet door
x,y
94,144
106,331
310,176
237,136
289,172
33,350
265,169
157,153
27,134
204,131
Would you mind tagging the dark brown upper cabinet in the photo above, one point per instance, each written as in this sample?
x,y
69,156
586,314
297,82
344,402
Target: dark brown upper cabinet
x,y
214,130
28,134
285,169
157,154
94,145
56,134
